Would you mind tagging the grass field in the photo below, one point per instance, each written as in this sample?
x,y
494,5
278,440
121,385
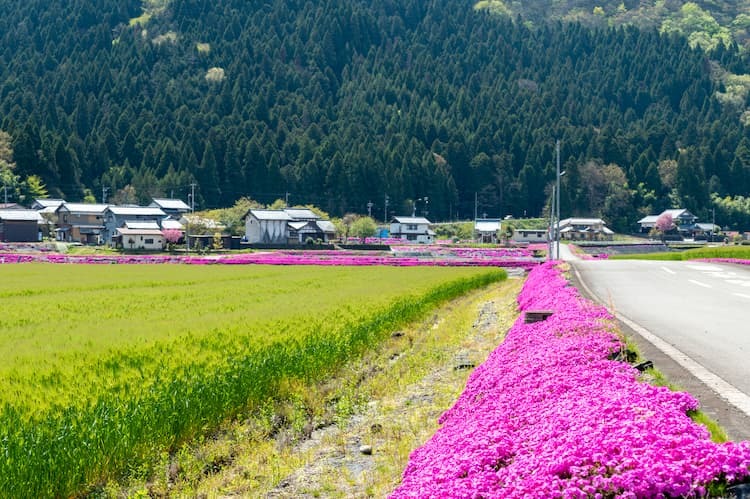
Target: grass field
x,y
107,366
742,252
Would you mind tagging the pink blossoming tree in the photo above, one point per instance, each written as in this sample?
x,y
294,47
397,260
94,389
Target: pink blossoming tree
x,y
664,224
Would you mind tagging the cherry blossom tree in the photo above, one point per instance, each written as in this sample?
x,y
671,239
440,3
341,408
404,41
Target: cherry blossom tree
x,y
664,224
172,236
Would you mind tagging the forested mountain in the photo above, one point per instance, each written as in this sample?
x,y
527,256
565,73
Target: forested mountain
x,y
705,22
337,103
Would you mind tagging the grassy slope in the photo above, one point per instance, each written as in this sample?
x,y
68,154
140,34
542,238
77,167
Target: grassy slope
x,y
741,252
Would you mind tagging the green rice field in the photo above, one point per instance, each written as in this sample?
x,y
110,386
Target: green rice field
x,y
105,366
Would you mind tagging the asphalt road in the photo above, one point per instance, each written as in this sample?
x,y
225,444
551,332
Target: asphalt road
x,y
691,319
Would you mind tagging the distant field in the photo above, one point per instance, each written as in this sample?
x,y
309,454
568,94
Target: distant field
x,y
105,365
742,252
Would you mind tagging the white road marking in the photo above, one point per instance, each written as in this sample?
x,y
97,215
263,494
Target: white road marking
x,y
668,271
724,389
705,268
698,283
738,282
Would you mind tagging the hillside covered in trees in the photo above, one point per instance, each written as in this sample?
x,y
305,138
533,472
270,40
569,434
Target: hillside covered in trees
x,y
338,103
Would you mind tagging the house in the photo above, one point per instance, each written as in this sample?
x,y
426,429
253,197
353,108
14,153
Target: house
x,y
585,229
707,231
139,236
530,236
300,232
682,218
172,224
267,226
328,229
301,214
486,230
48,204
175,208
287,226
117,216
412,229
80,222
647,223
19,225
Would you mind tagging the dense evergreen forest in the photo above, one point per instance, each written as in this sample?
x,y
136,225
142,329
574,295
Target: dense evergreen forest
x,y
337,103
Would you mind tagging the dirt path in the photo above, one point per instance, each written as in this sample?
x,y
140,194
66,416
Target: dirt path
x,y
347,456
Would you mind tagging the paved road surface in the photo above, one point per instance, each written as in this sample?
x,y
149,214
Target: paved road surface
x,y
696,314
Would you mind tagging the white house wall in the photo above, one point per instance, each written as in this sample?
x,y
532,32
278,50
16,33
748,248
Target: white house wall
x,y
266,231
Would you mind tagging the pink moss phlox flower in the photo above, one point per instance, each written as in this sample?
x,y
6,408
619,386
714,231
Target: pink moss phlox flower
x,y
549,415
409,256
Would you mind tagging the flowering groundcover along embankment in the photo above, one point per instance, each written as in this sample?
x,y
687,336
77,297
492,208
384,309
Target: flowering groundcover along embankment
x,y
549,415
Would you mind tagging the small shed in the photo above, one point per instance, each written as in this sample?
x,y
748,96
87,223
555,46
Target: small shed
x,y
20,225
530,236
486,230
139,239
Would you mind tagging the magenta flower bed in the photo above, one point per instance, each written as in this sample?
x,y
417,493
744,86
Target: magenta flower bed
x,y
737,261
456,257
364,258
548,415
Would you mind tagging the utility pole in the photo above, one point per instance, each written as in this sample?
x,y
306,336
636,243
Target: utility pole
x,y
551,232
713,224
385,211
191,200
5,193
286,199
104,194
369,209
557,231
475,205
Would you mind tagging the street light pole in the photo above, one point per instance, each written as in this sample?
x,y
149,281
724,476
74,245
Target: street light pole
x,y
551,231
557,209
187,224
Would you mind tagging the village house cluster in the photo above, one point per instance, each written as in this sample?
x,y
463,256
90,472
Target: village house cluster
x,y
143,227
128,227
